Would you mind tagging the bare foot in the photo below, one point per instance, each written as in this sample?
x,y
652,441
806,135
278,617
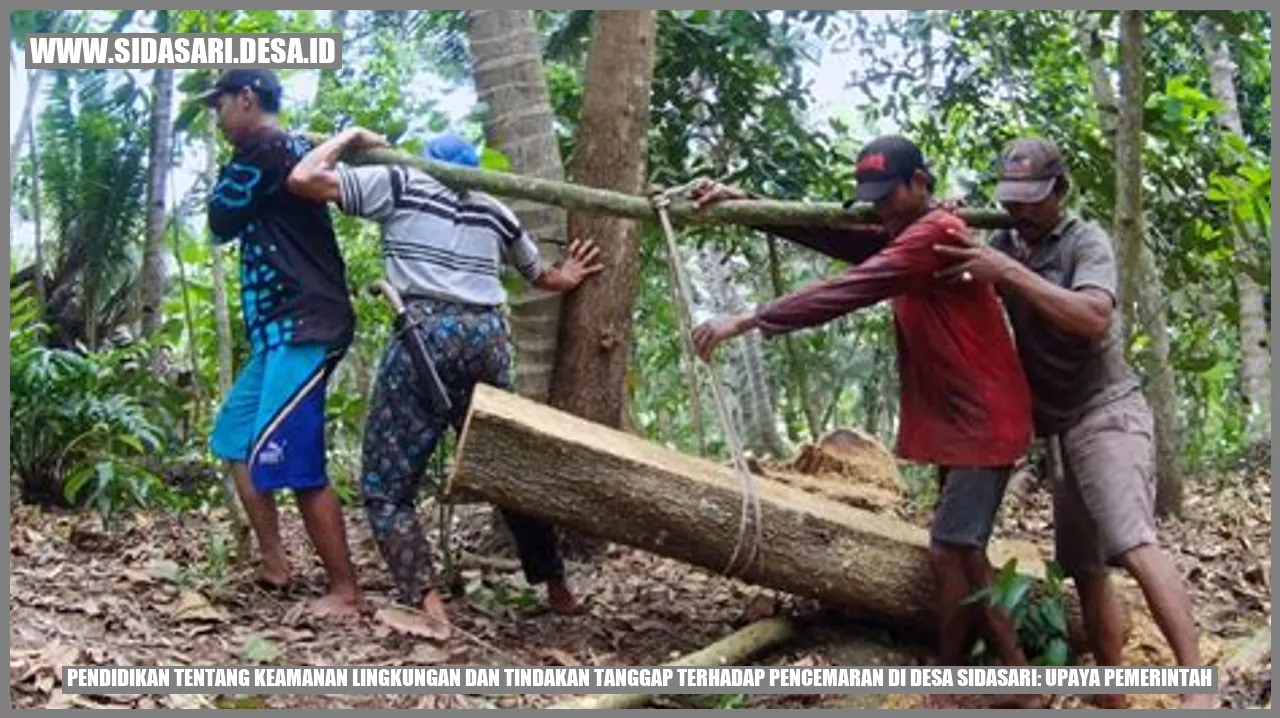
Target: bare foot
x,y
1200,700
336,605
273,572
1111,701
562,600
274,582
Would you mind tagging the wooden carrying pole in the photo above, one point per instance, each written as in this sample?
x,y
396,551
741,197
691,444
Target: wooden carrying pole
x,y
758,213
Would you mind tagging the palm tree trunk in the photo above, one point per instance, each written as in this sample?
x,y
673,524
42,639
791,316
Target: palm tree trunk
x,y
1255,367
510,80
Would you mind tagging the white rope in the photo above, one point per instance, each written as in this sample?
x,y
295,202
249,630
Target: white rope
x,y
750,500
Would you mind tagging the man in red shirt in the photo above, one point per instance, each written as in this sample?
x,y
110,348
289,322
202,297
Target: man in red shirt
x,y
965,405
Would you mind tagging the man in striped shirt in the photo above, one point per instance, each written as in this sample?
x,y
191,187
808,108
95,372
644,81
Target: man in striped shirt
x,y
443,250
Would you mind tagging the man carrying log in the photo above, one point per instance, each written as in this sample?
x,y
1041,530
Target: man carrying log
x,y
964,404
443,251
299,322
1057,274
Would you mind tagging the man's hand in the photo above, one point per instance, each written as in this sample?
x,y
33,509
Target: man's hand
x,y
708,191
710,334
974,262
358,138
573,270
579,264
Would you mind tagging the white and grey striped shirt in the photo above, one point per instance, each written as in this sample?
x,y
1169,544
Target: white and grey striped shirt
x,y
437,242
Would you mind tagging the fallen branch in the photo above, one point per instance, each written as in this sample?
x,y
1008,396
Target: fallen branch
x,y
729,651
591,199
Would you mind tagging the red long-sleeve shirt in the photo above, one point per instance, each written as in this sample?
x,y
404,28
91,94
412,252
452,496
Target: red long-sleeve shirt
x,y
964,398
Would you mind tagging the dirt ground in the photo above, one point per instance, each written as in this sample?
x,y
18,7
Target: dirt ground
x,y
163,589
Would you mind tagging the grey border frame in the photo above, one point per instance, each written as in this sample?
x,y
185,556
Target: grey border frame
x,y
406,4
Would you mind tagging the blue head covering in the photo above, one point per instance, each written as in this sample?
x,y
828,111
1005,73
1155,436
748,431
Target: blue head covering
x,y
454,150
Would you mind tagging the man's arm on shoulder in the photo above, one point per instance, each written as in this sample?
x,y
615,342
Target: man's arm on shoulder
x,y
315,177
252,176
363,191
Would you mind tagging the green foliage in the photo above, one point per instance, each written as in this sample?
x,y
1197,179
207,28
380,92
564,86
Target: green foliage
x,y
259,650
93,152
730,702
1040,620
80,428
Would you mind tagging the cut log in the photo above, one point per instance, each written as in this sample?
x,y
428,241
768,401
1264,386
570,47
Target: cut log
x,y
729,651
523,455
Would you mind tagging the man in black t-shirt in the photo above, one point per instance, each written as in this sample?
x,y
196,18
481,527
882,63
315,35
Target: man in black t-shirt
x,y
299,321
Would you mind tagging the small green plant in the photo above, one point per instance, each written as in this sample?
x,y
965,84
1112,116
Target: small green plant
x,y
217,558
1040,618
730,702
260,651
82,425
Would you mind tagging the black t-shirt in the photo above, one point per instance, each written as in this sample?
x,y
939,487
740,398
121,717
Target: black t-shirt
x,y
293,278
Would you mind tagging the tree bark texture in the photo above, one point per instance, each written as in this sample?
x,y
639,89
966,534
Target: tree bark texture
x,y
152,285
595,326
510,80
1255,360
1140,292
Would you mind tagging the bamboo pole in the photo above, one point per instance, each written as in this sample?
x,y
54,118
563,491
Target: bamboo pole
x,y
570,196
731,650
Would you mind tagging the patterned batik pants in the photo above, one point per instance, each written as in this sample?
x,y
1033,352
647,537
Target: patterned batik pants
x,y
469,345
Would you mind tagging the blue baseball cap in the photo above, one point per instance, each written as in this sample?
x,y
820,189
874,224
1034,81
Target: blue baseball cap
x,y
452,149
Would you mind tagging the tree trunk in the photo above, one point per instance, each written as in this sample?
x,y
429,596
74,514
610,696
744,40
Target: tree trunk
x,y
188,312
36,202
28,107
749,387
1127,223
689,509
509,78
799,385
595,333
152,285
221,306
1255,365
1139,282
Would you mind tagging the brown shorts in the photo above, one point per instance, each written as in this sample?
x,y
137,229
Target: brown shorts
x,y
1105,504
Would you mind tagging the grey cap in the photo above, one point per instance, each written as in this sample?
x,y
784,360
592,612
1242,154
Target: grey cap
x,y
1029,167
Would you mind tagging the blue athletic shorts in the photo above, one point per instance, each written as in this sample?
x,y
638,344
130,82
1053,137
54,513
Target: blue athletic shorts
x,y
273,417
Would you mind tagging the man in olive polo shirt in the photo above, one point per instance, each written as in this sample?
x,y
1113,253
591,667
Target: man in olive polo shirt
x,y
1057,275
